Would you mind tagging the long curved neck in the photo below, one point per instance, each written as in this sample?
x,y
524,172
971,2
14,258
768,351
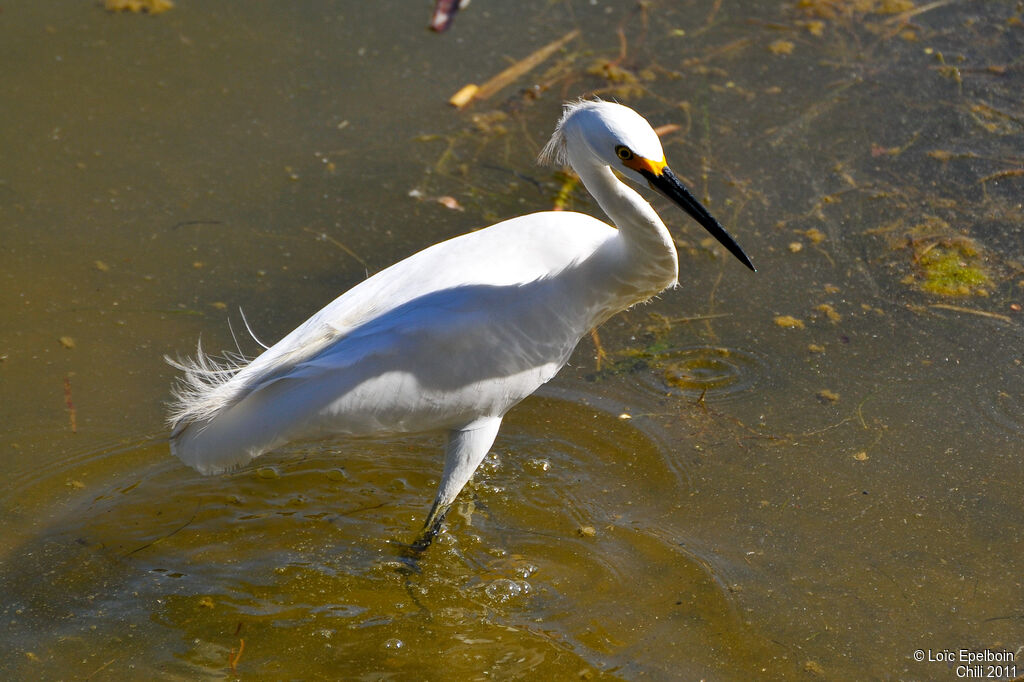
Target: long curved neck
x,y
650,255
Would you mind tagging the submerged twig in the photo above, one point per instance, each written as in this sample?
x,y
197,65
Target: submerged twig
x,y
780,135
902,17
717,5
971,311
236,656
173,532
697,318
187,223
999,175
329,238
70,405
100,669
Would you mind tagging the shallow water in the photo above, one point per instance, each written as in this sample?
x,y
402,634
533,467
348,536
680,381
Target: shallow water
x,y
724,494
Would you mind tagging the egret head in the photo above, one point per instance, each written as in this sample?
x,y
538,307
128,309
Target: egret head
x,y
597,133
600,133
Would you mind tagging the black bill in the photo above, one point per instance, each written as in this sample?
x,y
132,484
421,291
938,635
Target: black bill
x,y
668,184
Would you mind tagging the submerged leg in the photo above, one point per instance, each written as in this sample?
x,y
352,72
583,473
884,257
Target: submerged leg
x,y
466,449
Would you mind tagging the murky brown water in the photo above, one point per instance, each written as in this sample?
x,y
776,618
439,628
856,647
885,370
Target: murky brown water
x,y
731,494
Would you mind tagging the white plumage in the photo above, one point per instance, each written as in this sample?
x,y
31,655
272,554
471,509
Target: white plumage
x,y
454,336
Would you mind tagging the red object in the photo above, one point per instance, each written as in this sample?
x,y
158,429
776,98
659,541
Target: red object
x,y
444,14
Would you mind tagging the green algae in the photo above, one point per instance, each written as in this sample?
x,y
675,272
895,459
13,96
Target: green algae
x,y
954,269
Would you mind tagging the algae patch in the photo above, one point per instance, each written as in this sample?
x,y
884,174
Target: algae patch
x,y
954,269
138,6
943,262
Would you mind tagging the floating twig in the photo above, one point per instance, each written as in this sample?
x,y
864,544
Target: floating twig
x,y
469,93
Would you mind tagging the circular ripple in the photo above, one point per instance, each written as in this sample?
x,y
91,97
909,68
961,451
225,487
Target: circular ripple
x,y
1004,408
714,372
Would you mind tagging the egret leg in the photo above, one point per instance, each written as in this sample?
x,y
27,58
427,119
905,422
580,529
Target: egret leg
x,y
431,528
465,450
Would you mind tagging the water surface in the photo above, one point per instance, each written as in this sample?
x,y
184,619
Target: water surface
x,y
812,471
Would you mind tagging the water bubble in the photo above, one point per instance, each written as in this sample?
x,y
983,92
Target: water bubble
x,y
268,473
525,570
540,464
504,590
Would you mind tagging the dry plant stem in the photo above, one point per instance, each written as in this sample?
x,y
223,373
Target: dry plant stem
x,y
523,66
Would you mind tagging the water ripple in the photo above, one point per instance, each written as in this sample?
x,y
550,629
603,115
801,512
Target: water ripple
x,y
1002,405
573,505
715,372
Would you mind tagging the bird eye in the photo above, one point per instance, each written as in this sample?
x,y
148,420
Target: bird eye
x,y
624,152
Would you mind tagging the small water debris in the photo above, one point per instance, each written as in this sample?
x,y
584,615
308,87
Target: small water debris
x,y
827,396
815,235
788,322
829,312
138,6
814,668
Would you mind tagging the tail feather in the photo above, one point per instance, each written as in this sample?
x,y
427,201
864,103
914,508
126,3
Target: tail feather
x,y
203,398
227,411
255,422
204,388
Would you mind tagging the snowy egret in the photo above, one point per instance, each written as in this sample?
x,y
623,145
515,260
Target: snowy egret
x,y
453,337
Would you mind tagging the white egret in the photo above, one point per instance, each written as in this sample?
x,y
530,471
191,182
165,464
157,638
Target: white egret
x,y
454,336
